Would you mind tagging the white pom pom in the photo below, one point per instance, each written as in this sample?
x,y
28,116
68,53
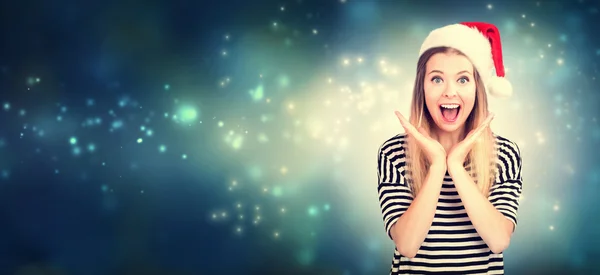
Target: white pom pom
x,y
499,87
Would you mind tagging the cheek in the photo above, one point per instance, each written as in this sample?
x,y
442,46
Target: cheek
x,y
468,97
431,98
433,92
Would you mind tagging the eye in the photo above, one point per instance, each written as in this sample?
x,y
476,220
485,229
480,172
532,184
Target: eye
x,y
463,80
436,80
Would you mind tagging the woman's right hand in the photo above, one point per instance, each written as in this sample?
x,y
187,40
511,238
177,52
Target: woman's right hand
x,y
434,151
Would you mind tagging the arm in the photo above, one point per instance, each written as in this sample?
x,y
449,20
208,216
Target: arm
x,y
494,218
492,226
411,229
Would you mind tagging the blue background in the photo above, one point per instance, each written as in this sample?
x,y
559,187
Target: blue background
x,y
183,137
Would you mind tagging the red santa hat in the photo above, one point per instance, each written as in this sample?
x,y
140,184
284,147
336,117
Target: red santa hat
x,y
480,42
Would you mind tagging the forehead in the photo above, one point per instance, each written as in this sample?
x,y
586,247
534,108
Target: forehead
x,y
449,63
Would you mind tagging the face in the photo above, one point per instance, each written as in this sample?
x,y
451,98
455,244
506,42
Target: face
x,y
449,90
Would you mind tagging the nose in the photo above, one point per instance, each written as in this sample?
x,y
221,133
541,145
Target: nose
x,y
450,91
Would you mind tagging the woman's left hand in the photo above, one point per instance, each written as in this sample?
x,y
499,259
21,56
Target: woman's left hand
x,y
458,154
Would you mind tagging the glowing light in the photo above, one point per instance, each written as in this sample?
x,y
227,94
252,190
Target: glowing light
x,y
73,140
235,141
277,191
313,211
187,114
284,81
117,124
262,138
33,80
257,94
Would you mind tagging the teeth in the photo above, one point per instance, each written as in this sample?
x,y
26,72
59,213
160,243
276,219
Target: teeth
x,y
450,106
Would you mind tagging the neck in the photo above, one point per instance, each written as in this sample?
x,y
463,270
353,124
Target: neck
x,y
448,139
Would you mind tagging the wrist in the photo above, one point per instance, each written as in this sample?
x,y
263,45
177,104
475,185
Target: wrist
x,y
454,167
439,164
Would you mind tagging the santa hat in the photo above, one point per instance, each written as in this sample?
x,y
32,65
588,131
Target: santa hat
x,y
480,42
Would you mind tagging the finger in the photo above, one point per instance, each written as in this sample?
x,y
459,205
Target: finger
x,y
489,119
407,126
482,127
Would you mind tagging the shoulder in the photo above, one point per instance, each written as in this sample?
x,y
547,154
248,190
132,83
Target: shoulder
x,y
508,155
504,141
393,145
507,146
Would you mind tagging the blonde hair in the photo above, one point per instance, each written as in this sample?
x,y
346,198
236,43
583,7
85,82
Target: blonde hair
x,y
480,158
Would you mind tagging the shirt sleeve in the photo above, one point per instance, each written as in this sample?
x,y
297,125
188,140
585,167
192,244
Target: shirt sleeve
x,y
506,192
394,194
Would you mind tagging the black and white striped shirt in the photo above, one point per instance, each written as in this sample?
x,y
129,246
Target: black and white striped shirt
x,y
452,245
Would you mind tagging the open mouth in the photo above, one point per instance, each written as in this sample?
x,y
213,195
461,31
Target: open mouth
x,y
450,112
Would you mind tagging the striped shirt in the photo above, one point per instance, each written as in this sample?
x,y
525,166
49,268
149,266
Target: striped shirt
x,y
452,245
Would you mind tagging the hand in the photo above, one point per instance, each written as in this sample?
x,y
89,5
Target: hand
x,y
458,153
434,151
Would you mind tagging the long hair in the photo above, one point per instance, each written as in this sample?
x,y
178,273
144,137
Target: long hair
x,y
480,161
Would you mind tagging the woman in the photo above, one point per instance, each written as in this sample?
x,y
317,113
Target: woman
x,y
449,187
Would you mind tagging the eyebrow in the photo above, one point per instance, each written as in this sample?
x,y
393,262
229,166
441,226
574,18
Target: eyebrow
x,y
438,71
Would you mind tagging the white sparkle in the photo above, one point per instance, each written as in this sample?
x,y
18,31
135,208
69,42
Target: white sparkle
x,y
540,138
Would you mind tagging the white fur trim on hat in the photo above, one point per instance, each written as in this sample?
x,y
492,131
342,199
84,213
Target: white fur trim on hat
x,y
499,87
